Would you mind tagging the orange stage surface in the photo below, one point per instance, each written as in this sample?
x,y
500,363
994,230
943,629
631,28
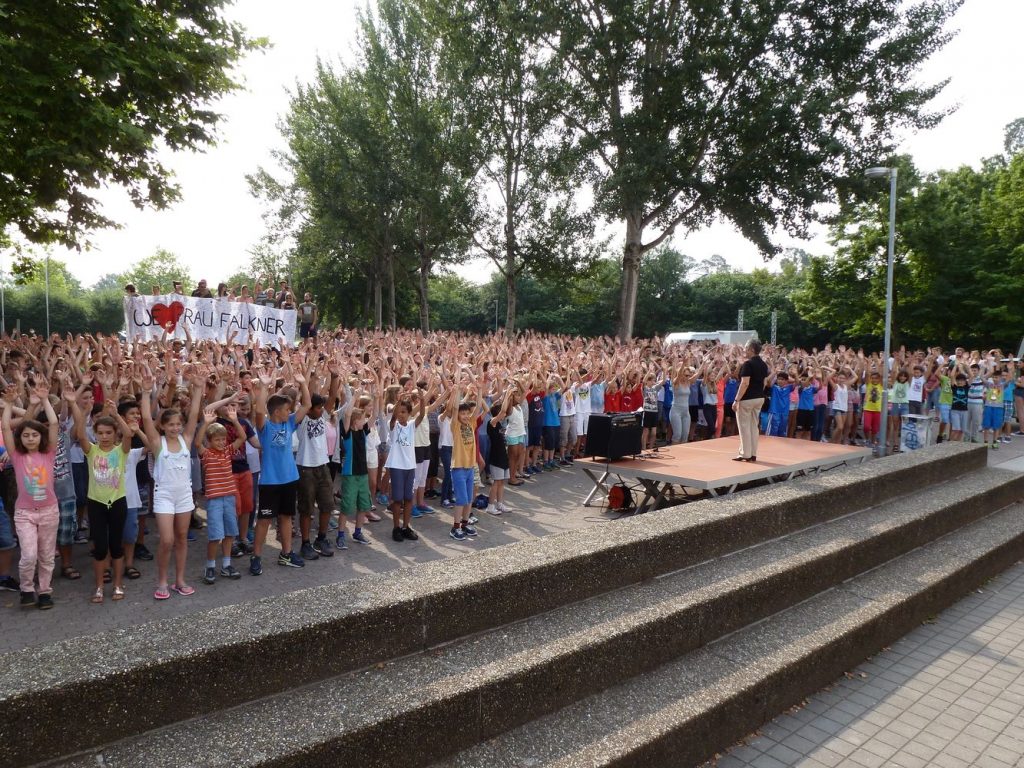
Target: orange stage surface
x,y
708,464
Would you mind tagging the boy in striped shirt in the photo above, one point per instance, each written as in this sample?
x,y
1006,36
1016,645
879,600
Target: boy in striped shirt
x,y
221,490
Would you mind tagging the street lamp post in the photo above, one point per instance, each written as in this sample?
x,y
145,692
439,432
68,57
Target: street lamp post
x,y
46,278
889,173
495,316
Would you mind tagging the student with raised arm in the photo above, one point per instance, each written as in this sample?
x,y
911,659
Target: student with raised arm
x,y
463,462
279,476
32,447
497,459
446,444
220,490
170,443
401,464
106,461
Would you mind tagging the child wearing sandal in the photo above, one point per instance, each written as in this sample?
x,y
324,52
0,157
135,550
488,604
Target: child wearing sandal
x,y
36,515
172,484
129,410
105,462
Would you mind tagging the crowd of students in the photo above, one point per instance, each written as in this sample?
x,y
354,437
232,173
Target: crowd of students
x,y
102,435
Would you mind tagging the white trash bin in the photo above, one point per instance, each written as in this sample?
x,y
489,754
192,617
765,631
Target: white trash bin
x,y
917,432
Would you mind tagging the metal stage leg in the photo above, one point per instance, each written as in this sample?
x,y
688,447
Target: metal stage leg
x,y
599,486
654,492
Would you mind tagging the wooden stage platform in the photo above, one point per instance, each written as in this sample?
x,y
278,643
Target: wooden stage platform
x,y
708,466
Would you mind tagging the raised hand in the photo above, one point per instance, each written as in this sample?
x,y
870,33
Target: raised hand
x,y
209,416
10,393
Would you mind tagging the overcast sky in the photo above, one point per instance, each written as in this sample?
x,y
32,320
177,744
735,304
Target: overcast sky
x,y
217,220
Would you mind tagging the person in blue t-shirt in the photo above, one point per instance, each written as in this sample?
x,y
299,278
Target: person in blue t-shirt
x,y
732,385
778,417
552,423
279,478
805,407
665,408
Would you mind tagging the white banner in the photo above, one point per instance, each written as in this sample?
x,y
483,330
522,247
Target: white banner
x,y
147,317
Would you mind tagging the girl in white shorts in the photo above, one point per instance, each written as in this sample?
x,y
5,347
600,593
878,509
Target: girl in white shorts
x,y
172,487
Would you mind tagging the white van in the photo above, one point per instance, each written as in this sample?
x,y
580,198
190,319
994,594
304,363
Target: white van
x,y
722,337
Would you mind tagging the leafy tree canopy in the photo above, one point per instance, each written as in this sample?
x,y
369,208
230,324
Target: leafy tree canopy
x,y
90,93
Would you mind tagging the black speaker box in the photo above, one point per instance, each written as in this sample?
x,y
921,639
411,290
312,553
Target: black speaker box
x,y
614,435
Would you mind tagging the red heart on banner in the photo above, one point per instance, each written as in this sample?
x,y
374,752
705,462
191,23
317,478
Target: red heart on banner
x,y
167,316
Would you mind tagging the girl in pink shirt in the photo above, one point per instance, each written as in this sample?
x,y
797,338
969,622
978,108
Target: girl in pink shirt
x,y
33,449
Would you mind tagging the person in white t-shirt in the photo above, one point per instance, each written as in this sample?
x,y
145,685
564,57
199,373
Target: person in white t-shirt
x,y
583,410
401,465
315,485
915,393
567,426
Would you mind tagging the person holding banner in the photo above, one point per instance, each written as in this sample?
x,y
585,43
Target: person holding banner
x,y
309,316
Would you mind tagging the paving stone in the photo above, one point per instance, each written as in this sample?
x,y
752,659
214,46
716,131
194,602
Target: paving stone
x,y
948,695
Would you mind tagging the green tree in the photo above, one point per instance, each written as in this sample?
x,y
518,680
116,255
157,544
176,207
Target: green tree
x,y
458,304
756,111
32,269
91,92
344,200
958,266
531,221
109,282
26,307
162,268
106,311
438,148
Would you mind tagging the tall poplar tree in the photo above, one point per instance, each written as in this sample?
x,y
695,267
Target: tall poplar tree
x,y
752,110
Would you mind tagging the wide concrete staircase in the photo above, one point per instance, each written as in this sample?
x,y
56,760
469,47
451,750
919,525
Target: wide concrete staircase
x,y
657,640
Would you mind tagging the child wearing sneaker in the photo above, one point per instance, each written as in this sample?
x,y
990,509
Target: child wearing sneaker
x,y
401,464
220,490
1007,384
992,418
446,441
316,489
498,462
463,465
279,474
36,514
355,480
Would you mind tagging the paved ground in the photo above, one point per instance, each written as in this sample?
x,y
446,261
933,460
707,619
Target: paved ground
x,y
550,504
950,694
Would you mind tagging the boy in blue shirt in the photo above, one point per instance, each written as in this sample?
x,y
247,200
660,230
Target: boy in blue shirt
x,y
552,424
805,406
778,420
279,478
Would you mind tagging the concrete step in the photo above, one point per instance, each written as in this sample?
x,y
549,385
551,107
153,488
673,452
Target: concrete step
x,y
684,712
108,679
505,677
